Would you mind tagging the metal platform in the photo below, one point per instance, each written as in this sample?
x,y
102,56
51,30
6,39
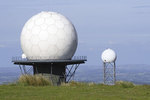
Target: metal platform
x,y
32,62
74,60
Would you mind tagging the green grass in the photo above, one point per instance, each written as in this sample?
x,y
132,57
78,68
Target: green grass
x,y
76,91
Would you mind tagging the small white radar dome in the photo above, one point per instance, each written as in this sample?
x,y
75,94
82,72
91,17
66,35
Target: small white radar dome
x,y
23,56
108,55
49,35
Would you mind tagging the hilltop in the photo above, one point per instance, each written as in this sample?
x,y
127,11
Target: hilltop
x,y
75,91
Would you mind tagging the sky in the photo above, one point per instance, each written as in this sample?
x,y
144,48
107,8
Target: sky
x,y
122,25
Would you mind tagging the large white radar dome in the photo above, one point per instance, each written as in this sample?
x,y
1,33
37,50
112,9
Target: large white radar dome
x,y
49,35
108,55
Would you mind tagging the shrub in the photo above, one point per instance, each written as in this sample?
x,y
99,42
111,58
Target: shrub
x,y
33,80
73,83
91,84
125,84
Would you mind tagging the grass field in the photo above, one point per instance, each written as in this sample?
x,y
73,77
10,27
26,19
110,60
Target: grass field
x,y
75,91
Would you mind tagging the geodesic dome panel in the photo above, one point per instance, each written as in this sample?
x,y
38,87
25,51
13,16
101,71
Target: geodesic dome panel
x,y
49,35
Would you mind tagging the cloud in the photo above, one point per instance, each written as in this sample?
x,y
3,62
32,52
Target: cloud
x,y
144,6
91,49
122,39
111,42
82,42
2,46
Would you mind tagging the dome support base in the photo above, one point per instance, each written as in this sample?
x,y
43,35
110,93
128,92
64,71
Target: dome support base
x,y
57,71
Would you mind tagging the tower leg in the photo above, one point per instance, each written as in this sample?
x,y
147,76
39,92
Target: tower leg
x,y
104,73
114,72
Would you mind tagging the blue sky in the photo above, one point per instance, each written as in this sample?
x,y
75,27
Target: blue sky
x,y
122,25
